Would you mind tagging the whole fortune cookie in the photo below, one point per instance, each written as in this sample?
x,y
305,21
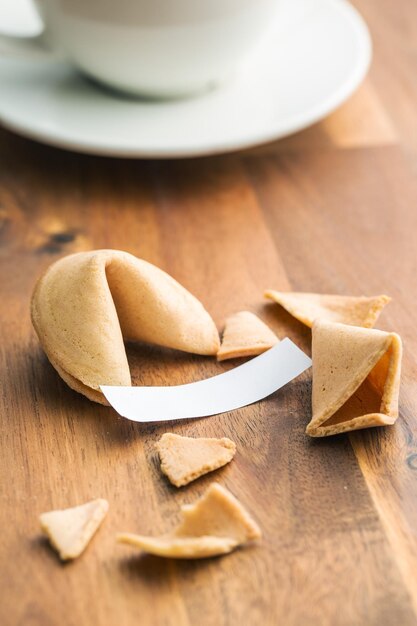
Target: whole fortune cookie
x,y
87,304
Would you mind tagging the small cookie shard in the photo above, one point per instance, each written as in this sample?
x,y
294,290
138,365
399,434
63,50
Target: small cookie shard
x,y
306,307
245,335
70,530
181,548
183,459
356,378
215,524
86,304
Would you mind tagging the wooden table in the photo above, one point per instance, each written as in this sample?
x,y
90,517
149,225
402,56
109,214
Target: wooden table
x,y
332,209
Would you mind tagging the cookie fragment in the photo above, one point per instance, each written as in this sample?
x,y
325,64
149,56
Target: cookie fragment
x,y
356,378
306,307
215,524
70,530
183,459
180,547
245,335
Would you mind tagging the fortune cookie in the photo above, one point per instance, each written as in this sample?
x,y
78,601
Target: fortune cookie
x,y
216,524
356,378
245,335
306,307
70,530
184,459
86,304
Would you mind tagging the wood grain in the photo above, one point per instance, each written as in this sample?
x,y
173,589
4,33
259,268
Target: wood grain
x,y
330,209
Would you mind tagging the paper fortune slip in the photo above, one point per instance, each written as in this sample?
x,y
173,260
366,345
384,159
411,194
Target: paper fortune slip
x,y
243,385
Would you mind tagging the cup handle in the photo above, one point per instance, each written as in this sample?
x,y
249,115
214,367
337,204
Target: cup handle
x,y
13,46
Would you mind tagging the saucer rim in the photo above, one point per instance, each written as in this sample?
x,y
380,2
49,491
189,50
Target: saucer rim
x,y
302,121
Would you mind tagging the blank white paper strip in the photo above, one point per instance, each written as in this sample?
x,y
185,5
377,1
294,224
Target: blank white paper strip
x,y
243,385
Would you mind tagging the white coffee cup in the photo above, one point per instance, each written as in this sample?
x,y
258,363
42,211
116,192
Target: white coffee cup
x,y
157,48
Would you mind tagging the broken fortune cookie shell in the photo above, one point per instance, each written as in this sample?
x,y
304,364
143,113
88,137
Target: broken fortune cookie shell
x,y
356,378
245,335
86,304
70,530
307,307
183,459
215,524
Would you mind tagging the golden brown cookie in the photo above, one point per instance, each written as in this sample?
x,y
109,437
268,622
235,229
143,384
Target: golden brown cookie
x,y
216,524
245,335
86,304
356,378
70,530
307,307
183,459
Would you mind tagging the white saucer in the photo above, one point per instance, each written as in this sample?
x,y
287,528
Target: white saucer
x,y
316,57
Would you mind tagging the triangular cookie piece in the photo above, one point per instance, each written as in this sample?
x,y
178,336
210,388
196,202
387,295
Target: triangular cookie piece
x,y
70,530
245,335
356,378
216,524
306,307
184,459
